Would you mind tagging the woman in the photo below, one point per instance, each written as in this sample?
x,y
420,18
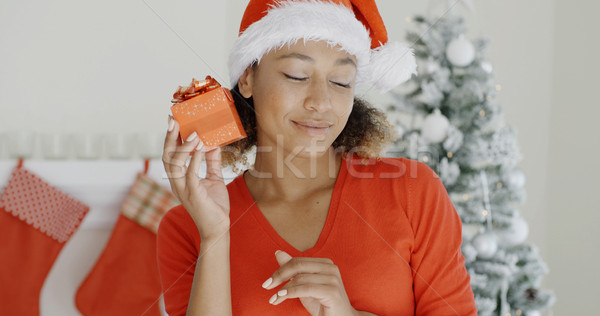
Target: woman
x,y
319,225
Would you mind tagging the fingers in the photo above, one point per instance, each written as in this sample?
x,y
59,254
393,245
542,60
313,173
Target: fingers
x,y
312,278
213,165
179,159
314,290
175,158
299,265
194,167
170,142
170,145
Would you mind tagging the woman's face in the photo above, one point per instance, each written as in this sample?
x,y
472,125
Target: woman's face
x,y
303,95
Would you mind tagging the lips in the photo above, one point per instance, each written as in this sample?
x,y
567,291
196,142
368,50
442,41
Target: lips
x,y
313,128
314,124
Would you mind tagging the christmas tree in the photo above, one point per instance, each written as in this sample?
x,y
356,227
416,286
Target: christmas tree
x,y
458,130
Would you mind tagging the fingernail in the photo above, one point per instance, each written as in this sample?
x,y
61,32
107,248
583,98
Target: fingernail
x,y
273,298
200,145
267,282
171,123
192,137
277,252
282,292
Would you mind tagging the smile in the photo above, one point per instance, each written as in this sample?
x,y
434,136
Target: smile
x,y
313,129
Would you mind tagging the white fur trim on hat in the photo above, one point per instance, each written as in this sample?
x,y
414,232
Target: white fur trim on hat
x,y
288,21
391,64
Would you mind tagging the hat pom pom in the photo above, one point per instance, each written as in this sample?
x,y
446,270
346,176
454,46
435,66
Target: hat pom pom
x,y
390,65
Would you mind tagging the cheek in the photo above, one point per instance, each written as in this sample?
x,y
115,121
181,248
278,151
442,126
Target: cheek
x,y
276,102
344,110
343,116
271,110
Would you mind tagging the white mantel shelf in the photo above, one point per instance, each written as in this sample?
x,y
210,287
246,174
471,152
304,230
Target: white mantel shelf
x,y
101,184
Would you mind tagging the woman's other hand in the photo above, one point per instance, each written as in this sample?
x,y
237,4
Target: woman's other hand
x,y
206,200
315,281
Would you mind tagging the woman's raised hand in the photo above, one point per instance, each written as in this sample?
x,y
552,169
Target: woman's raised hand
x,y
317,282
206,200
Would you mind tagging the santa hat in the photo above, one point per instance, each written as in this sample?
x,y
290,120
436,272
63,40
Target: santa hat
x,y
355,25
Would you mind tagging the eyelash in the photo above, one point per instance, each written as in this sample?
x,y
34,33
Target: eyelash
x,y
302,79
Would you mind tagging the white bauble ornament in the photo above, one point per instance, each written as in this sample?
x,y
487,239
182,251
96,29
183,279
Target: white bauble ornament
x,y
516,178
515,234
435,127
487,67
486,244
460,52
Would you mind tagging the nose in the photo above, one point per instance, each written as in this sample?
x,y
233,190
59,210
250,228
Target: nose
x,y
317,98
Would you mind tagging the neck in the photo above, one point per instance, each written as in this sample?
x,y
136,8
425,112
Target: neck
x,y
292,178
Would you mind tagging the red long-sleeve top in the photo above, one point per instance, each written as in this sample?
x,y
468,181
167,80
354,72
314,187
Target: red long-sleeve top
x,y
391,229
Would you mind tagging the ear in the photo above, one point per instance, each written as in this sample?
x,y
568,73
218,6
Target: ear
x,y
245,82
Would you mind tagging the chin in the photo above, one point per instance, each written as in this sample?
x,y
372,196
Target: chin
x,y
314,151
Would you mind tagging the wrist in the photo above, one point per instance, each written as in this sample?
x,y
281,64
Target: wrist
x,y
216,239
214,235
361,313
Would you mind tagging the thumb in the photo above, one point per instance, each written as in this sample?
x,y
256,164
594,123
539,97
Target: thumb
x,y
282,257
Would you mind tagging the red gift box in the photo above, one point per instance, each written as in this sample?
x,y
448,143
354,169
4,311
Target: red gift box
x,y
208,109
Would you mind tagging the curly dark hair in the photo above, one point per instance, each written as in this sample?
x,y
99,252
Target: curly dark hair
x,y
366,133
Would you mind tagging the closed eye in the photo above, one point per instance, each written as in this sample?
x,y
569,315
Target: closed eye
x,y
347,85
295,78
342,85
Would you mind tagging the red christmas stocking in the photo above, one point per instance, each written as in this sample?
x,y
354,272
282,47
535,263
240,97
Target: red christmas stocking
x,y
36,220
125,279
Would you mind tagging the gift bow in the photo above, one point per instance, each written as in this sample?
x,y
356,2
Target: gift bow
x,y
194,89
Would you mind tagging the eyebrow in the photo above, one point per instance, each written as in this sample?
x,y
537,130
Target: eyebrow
x,y
339,62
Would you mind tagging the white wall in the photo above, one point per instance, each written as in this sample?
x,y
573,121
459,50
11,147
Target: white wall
x,y
112,66
573,205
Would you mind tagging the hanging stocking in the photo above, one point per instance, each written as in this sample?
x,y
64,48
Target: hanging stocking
x,y
36,220
125,279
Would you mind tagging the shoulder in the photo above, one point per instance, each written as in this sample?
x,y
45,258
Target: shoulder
x,y
395,180
427,201
409,182
177,215
176,226
398,169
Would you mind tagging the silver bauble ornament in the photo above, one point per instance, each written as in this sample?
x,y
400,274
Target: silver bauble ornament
x,y
435,127
486,244
460,51
513,235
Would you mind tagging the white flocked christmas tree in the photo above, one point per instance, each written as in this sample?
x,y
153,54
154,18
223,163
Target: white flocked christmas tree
x,y
447,117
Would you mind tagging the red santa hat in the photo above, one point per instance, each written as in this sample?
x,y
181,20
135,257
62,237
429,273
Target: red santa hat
x,y
355,25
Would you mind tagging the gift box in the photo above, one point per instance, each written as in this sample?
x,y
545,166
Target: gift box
x,y
208,109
